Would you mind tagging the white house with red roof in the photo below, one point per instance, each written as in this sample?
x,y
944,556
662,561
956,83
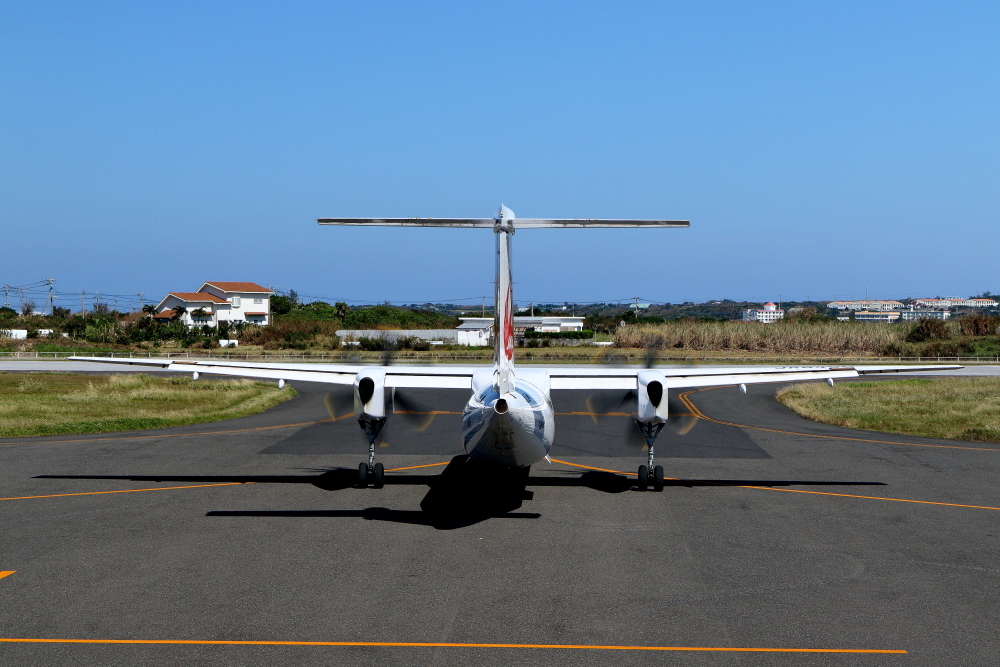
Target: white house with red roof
x,y
218,301
768,314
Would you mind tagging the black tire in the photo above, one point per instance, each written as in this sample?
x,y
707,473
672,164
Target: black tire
x,y
378,477
658,478
643,478
363,475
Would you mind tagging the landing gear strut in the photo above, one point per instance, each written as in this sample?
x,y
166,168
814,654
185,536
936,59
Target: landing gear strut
x,y
371,471
649,432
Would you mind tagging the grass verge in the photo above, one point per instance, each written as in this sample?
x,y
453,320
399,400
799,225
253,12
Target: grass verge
x,y
952,408
63,403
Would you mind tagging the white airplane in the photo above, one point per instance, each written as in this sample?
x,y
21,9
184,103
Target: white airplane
x,y
509,419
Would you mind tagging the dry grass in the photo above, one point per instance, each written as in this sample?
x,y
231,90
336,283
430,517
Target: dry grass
x,y
832,338
953,408
63,403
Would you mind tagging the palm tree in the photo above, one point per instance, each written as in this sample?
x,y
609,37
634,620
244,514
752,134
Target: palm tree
x,y
179,312
149,309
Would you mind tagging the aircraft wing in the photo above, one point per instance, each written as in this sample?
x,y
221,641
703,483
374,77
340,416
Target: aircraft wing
x,y
440,377
707,376
560,377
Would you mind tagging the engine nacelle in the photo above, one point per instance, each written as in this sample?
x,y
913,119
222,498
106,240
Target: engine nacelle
x,y
652,395
372,399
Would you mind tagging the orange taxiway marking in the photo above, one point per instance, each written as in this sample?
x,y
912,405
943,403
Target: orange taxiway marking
x,y
592,647
6,573
700,415
98,493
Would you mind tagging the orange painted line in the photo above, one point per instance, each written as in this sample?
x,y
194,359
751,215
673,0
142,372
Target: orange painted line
x,y
97,493
169,435
612,414
597,647
578,465
700,415
426,465
6,573
847,495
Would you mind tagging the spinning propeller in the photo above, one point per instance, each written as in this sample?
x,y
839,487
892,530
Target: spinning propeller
x,y
339,401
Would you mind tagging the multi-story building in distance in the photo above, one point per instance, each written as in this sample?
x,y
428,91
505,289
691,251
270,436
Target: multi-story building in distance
x,y
768,314
866,305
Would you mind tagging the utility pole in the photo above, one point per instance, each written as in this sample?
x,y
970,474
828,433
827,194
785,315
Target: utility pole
x,y
51,281
484,306
142,302
6,296
532,308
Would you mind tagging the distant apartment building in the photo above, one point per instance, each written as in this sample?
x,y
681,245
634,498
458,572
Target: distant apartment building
x,y
768,314
216,302
956,302
913,314
866,305
885,316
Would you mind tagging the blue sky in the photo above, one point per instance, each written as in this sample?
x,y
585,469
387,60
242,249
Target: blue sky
x,y
819,149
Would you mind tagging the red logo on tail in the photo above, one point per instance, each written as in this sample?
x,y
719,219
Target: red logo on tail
x,y
508,326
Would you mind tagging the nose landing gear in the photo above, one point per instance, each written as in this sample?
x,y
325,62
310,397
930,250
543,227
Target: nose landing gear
x,y
371,471
650,473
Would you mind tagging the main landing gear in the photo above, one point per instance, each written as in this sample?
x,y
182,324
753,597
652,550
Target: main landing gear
x,y
650,473
371,472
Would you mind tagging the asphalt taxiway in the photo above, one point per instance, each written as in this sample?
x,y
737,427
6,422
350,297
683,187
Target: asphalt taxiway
x,y
778,541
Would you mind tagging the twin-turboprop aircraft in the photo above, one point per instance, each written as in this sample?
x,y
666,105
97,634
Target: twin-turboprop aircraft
x,y
509,420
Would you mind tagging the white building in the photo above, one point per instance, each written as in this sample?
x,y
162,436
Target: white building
x,y
956,302
217,302
866,305
884,316
768,314
911,315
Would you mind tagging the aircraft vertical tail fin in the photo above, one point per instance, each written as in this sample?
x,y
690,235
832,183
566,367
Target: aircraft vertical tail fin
x,y
503,318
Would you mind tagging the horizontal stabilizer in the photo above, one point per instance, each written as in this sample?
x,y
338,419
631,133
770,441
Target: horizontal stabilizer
x,y
537,223
518,223
411,222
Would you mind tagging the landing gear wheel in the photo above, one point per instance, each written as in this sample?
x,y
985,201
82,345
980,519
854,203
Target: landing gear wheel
x,y
378,477
363,475
643,478
658,478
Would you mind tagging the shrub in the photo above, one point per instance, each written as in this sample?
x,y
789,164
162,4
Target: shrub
x,y
978,324
928,329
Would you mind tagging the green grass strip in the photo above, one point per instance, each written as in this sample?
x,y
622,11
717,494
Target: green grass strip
x,y
955,408
34,404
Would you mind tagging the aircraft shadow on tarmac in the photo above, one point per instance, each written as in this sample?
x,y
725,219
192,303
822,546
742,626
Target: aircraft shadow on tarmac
x,y
464,493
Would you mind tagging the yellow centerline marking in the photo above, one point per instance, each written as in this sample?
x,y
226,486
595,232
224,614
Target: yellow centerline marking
x,y
98,493
592,647
6,573
700,415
